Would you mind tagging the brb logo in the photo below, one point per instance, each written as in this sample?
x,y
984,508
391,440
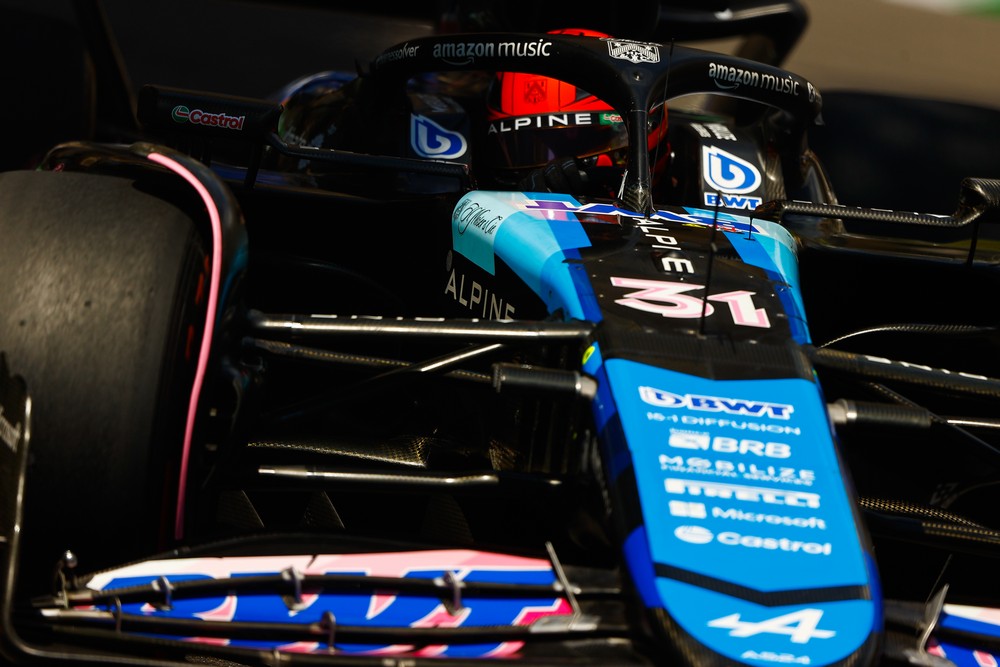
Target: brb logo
x,y
731,177
430,140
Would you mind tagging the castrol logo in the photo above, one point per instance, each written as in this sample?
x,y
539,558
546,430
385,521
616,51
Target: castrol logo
x,y
181,114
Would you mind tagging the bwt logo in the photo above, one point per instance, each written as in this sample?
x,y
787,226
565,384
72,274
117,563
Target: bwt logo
x,y
732,201
430,140
732,406
728,173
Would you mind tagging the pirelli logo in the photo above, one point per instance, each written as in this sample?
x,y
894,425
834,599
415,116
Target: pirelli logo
x,y
752,494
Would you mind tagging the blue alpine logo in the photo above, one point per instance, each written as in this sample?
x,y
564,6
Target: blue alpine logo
x,y
429,139
727,173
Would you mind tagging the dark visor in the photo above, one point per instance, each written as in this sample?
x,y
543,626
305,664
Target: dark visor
x,y
533,141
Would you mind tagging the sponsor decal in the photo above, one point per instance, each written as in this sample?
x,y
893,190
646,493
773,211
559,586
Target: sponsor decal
x,y
9,433
701,441
711,422
727,77
661,240
609,118
818,633
732,201
675,263
701,218
800,626
692,510
544,121
730,176
694,534
465,53
635,52
752,472
470,212
728,173
750,494
713,131
772,656
478,298
430,140
793,490
733,406
672,261
403,52
687,510
667,299
735,514
181,114
701,535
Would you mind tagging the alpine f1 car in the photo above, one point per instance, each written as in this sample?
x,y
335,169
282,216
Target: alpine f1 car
x,y
397,369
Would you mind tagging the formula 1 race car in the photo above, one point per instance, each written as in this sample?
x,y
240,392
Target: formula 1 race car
x,y
406,368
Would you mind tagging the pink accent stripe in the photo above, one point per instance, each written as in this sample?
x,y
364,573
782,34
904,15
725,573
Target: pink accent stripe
x,y
391,564
206,341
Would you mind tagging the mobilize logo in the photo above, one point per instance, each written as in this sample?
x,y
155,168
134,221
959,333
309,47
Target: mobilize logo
x,y
750,471
732,406
181,114
701,535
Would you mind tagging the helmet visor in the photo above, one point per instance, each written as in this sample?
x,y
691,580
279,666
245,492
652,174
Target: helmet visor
x,y
522,142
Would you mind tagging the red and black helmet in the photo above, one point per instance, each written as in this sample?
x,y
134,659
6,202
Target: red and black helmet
x,y
534,120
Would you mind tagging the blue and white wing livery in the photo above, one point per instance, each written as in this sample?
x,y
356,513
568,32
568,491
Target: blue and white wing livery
x,y
736,516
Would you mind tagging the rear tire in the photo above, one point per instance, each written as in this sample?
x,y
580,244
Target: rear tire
x,y
99,314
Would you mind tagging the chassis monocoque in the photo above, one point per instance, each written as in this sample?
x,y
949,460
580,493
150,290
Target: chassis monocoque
x,y
271,400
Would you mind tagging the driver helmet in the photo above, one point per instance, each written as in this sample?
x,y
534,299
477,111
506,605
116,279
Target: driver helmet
x,y
533,120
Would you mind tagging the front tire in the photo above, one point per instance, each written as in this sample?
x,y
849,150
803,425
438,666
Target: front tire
x,y
99,303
